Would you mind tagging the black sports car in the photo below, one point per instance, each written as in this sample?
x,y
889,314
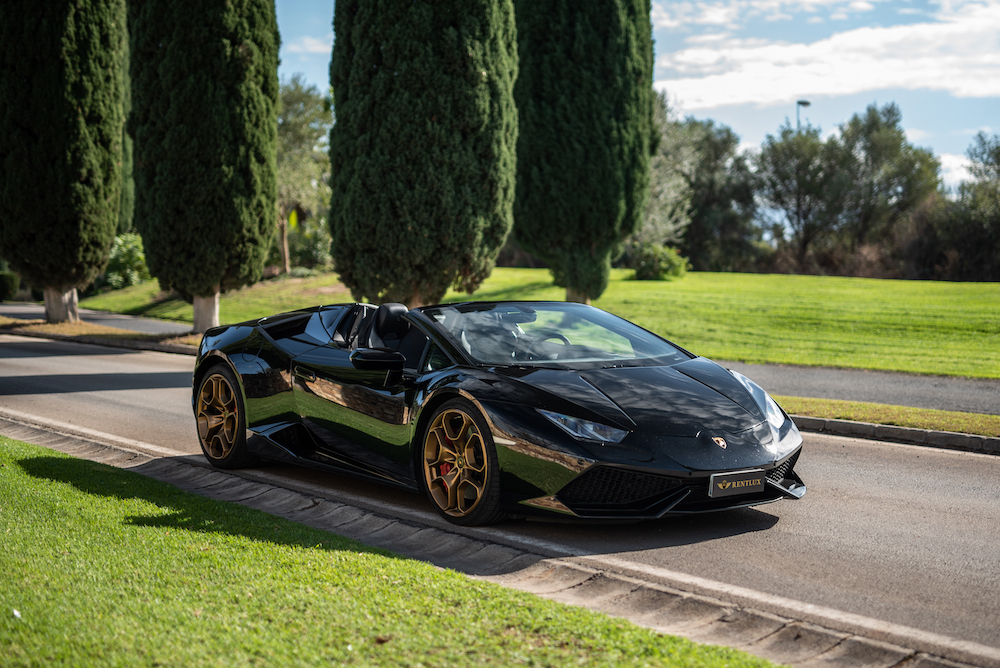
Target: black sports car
x,y
495,409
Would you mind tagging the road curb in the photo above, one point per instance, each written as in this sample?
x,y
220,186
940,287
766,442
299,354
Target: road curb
x,y
782,630
130,344
882,432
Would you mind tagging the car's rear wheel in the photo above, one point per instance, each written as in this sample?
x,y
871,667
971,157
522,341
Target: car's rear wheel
x,y
459,462
221,420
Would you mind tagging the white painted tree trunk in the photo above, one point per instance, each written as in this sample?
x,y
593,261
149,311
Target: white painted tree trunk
x,y
206,311
577,296
61,306
286,263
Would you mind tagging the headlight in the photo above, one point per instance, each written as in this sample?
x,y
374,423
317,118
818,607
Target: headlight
x,y
585,429
784,442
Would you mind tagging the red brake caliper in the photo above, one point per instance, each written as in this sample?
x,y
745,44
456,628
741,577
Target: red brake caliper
x,y
445,467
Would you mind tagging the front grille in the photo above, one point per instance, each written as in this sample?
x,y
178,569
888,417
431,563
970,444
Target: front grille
x,y
604,486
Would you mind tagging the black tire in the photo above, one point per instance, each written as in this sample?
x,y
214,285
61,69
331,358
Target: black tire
x,y
221,420
458,465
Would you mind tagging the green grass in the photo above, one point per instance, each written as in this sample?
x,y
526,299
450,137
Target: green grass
x,y
900,416
108,568
928,327
917,326
256,301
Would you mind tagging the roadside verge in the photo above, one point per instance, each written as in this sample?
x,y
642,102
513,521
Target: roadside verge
x,y
767,625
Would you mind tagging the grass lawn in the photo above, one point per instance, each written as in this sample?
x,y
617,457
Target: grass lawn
x,y
899,416
929,327
102,567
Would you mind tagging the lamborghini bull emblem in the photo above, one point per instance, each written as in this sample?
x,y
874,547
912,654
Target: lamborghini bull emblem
x,y
719,441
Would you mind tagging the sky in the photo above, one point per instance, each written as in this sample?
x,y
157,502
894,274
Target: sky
x,y
746,63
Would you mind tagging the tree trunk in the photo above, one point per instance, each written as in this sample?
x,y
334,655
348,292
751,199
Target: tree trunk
x,y
415,300
574,295
206,312
61,306
286,265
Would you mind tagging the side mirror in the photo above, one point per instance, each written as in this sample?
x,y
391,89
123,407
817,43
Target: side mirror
x,y
377,359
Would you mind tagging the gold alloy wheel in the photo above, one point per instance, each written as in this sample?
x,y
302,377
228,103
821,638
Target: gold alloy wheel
x,y
218,416
455,462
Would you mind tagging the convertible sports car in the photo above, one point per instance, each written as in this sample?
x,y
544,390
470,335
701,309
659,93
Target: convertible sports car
x,y
495,409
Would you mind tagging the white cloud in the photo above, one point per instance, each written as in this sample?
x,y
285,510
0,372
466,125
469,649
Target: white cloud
x,y
914,135
954,169
669,14
708,38
959,53
308,44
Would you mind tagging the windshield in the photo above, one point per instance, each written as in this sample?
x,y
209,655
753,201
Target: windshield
x,y
557,334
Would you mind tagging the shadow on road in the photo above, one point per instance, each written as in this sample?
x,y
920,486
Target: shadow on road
x,y
92,382
39,348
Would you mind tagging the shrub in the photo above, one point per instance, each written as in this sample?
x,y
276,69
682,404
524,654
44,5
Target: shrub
x,y
9,283
127,265
309,244
653,262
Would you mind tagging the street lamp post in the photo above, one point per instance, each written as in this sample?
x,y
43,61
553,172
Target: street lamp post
x,y
798,105
798,175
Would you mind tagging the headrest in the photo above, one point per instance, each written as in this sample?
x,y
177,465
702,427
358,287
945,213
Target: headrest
x,y
389,321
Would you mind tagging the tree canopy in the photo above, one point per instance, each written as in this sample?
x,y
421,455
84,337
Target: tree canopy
x,y
889,176
60,141
585,99
305,117
205,96
803,181
422,153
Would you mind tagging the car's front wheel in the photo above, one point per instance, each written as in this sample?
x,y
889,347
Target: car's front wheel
x,y
459,462
221,420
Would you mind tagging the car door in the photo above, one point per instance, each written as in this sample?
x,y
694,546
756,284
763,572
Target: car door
x,y
359,418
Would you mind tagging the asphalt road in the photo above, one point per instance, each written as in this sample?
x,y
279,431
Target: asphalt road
x,y
899,533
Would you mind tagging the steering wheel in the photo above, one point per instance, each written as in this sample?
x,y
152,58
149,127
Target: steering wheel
x,y
541,337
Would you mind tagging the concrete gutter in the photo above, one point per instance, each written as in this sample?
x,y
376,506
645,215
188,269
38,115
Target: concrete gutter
x,y
130,344
782,630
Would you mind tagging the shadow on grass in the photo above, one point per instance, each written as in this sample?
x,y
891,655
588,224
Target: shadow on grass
x,y
521,291
190,512
200,514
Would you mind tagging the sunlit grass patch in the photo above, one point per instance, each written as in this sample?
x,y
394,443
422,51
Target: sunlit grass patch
x,y
900,416
107,567
927,327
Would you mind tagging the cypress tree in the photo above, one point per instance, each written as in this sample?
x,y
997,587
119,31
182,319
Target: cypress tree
x,y
60,142
204,121
585,99
128,182
422,154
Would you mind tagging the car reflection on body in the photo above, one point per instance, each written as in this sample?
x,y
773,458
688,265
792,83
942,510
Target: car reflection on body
x,y
495,410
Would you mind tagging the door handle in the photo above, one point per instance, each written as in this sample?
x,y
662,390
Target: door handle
x,y
304,373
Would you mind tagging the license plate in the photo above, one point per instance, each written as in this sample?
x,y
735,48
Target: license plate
x,y
732,484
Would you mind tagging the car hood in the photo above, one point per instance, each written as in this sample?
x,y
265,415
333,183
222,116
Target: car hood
x,y
669,410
